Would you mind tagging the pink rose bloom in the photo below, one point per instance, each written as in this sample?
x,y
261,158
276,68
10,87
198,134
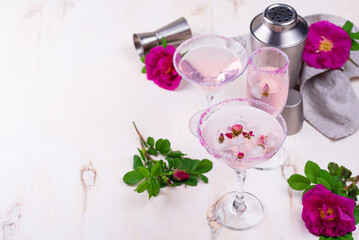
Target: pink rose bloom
x,y
327,213
159,67
180,175
328,46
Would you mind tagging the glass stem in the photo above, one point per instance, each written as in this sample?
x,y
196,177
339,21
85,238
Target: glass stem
x,y
239,203
209,97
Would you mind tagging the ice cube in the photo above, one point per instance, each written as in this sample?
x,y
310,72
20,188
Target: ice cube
x,y
256,91
271,141
256,151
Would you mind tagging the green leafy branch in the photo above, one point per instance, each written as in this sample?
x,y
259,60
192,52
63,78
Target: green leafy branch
x,y
337,179
174,170
348,26
163,44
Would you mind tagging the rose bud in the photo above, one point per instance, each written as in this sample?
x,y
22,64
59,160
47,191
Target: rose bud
x,y
180,175
237,129
240,155
221,138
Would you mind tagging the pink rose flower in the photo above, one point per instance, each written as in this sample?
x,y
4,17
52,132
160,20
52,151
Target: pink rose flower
x,y
180,175
327,213
327,46
159,67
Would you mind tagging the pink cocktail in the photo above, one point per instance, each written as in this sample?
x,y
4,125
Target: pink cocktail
x,y
241,133
209,62
267,78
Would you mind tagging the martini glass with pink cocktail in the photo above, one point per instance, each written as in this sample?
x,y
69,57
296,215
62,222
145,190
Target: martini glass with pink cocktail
x,y
268,81
209,62
242,133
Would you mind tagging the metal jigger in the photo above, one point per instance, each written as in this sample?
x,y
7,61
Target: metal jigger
x,y
175,33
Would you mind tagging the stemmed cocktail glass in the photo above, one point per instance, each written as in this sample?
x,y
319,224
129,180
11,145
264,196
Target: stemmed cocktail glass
x,y
268,81
241,133
209,62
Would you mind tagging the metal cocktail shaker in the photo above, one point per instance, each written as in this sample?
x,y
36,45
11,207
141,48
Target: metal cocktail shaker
x,y
280,26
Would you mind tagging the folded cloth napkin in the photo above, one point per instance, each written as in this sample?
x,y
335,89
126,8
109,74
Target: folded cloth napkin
x,y
330,103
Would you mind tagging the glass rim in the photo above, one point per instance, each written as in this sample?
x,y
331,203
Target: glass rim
x,y
278,70
188,41
217,155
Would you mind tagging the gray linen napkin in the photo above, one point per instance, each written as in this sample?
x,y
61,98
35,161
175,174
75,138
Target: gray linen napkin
x,y
330,103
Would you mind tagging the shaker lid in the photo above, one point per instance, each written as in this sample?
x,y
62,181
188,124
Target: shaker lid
x,y
279,26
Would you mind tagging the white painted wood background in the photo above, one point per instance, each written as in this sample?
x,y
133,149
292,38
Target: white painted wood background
x,y
70,86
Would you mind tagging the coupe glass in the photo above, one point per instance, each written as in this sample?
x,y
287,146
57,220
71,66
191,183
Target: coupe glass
x,y
241,133
209,62
268,81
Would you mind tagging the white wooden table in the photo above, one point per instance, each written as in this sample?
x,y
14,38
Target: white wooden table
x,y
70,86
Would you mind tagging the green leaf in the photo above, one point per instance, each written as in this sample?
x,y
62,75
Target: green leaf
x,y
186,163
312,170
151,141
298,182
137,162
336,189
133,177
156,170
333,168
144,171
354,35
353,192
143,59
347,236
144,70
152,151
164,42
154,188
203,178
142,153
191,181
332,181
165,147
204,166
176,154
176,163
170,163
182,54
193,165
355,45
344,172
142,187
324,182
356,214
348,26
158,144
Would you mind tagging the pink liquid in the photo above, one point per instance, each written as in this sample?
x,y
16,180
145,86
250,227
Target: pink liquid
x,y
210,65
252,119
268,87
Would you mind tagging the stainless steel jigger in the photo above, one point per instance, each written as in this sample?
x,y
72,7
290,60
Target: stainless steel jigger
x,y
175,33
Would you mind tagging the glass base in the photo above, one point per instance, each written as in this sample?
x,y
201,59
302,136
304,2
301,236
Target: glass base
x,y
193,122
231,219
274,162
